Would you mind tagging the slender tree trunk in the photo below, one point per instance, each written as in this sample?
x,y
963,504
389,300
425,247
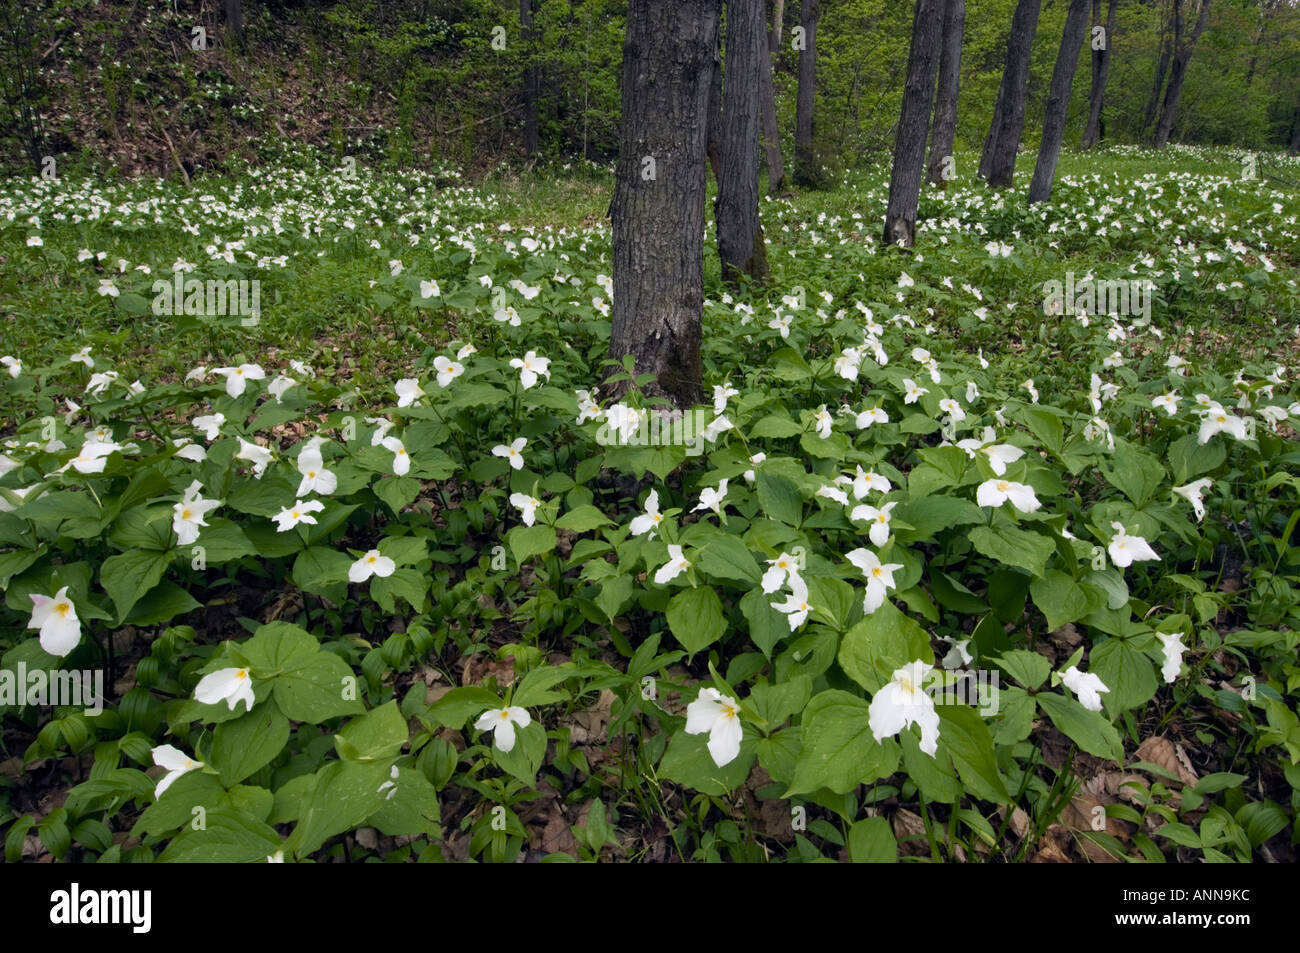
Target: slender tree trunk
x,y
1100,71
1266,12
944,128
805,157
714,133
530,77
235,19
1058,101
771,130
1002,160
1178,74
1162,66
913,123
740,234
986,154
659,192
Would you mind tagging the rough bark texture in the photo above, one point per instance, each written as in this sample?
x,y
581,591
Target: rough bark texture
x,y
1058,101
658,221
1162,67
1178,68
944,128
805,155
771,131
714,133
986,154
235,19
1093,131
740,235
530,78
1015,86
913,123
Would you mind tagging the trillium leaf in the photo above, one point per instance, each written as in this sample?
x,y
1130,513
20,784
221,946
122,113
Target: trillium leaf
x,y
1088,729
455,708
881,644
871,841
688,762
317,689
160,604
410,584
837,749
933,775
411,810
1013,546
524,760
1127,672
779,498
1028,668
1059,597
696,619
581,519
529,541
963,734
345,794
378,734
128,576
726,557
228,837
241,746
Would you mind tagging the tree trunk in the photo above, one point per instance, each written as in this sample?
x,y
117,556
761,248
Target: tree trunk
x,y
1162,66
944,128
235,19
714,133
805,157
1058,101
1178,70
1100,72
1267,7
986,154
771,131
1006,141
740,234
659,192
530,77
913,123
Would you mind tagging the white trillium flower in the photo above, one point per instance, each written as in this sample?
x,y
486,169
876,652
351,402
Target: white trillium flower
x,y
711,498
315,478
831,493
1217,420
408,391
952,408
382,426
98,383
1168,401
1086,686
371,564
280,386
796,607
1172,645
997,492
401,459
189,513
501,722
527,506
1192,494
14,364
880,577
176,762
721,392
210,425
430,289
649,520
56,617
873,416
958,655
878,518
676,565
780,568
529,366
512,452
1125,549
237,378
715,428
824,422
258,456
911,391
448,370
300,512
902,703
229,685
865,481
757,459
717,715
83,357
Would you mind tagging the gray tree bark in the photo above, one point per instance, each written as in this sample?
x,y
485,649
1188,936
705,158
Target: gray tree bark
x,y
1162,67
235,19
771,130
659,193
740,234
913,123
1100,71
1178,68
943,130
714,134
1058,101
1011,121
805,156
530,78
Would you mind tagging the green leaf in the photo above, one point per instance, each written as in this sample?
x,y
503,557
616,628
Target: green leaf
x,y
779,498
695,618
376,735
1013,546
1028,668
528,541
345,794
1060,598
614,595
460,704
1128,673
398,492
871,841
241,746
410,584
963,734
1134,472
881,644
1188,459
128,576
767,627
318,568
581,519
838,750
317,688
727,557
775,426
161,604
524,760
1088,729
228,837
688,762
535,687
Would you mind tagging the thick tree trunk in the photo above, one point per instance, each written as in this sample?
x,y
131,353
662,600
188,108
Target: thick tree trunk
x,y
1058,101
714,133
944,128
986,154
805,157
235,19
530,77
913,123
740,234
1178,70
1100,72
1011,122
1162,67
659,192
771,131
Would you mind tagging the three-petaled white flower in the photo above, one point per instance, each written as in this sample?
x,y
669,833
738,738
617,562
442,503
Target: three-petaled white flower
x,y
237,378
997,492
999,454
501,722
401,459
676,565
529,366
720,394
291,516
448,370
315,478
258,456
371,564
717,715
513,452
1125,549
1192,494
911,391
189,512
877,517
527,506
902,703
1172,645
784,565
176,762
408,391
56,617
711,498
1217,420
880,577
1086,686
796,607
649,520
873,416
209,425
1168,401
231,685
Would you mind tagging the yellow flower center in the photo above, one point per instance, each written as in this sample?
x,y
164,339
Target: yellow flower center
x,y
370,559
63,608
187,514
878,571
505,713
882,518
1002,486
241,674
296,514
